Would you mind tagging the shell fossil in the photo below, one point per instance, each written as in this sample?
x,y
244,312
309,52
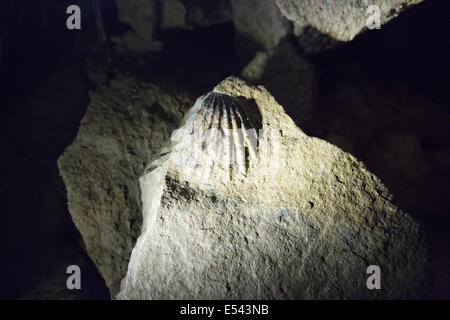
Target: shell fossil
x,y
221,133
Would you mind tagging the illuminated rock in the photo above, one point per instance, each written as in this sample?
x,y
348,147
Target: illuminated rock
x,y
302,219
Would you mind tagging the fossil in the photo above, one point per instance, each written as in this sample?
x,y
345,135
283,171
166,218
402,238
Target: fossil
x,y
221,133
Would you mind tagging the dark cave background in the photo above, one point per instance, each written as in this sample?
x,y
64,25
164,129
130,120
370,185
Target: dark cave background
x,y
404,66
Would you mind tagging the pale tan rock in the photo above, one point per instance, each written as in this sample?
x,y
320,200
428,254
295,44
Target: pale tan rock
x,y
141,15
341,20
299,219
124,126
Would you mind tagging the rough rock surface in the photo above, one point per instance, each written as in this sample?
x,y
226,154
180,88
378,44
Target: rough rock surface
x,y
207,13
339,20
194,13
125,124
299,218
259,21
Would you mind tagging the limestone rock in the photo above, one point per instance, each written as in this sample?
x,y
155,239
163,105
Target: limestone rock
x,y
292,218
124,126
194,13
339,20
260,21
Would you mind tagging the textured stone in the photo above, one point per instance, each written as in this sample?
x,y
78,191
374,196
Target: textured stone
x,y
290,78
259,21
298,219
339,20
141,15
124,126
173,14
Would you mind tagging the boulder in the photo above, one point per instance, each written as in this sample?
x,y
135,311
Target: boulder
x,y
241,204
125,124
